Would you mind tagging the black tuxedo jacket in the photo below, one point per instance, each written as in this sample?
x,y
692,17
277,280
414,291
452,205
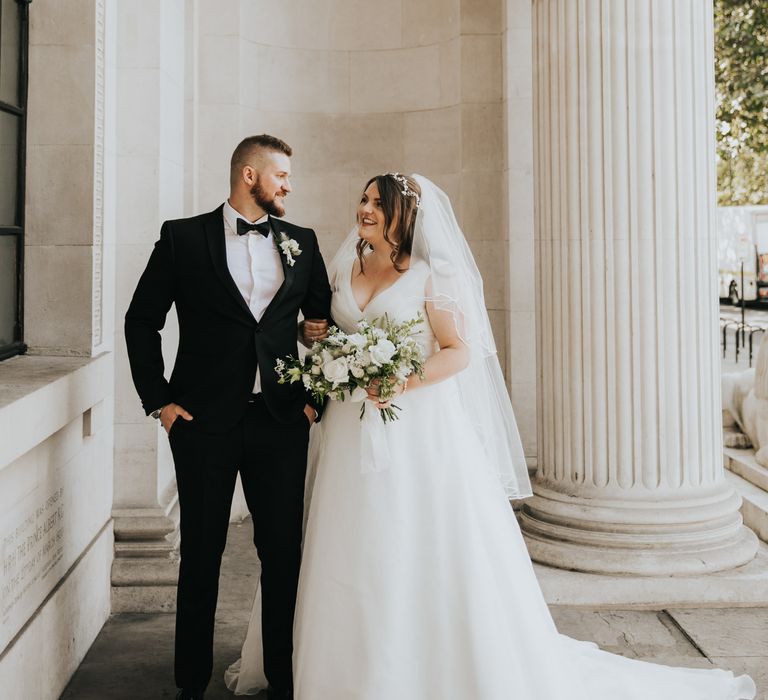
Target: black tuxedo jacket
x,y
220,342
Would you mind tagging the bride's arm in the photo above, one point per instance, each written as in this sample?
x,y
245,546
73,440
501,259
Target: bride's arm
x,y
453,355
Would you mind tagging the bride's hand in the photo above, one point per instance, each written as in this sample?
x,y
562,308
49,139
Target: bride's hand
x,y
373,393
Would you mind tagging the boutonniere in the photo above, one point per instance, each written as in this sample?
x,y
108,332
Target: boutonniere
x,y
289,248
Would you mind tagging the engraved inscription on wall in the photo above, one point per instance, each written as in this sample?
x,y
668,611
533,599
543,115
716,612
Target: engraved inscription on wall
x,y
30,549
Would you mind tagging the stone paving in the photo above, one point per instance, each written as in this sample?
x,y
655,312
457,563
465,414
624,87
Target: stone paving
x,y
132,658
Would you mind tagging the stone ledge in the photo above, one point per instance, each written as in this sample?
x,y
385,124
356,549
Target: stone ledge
x,y
145,572
754,505
743,463
64,387
744,586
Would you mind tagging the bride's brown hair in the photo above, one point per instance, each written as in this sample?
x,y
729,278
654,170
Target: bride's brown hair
x,y
399,217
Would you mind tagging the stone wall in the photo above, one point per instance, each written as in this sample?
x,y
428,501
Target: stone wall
x,y
56,403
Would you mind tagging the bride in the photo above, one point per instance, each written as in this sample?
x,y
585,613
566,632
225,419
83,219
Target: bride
x,y
415,582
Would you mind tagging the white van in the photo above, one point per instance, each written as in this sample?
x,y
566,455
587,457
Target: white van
x,y
742,237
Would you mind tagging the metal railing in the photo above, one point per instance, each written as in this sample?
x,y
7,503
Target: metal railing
x,y
743,335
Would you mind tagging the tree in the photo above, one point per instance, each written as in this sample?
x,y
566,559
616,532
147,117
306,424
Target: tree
x,y
741,88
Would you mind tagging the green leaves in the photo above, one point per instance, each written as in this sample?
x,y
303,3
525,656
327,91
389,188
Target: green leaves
x,y
741,91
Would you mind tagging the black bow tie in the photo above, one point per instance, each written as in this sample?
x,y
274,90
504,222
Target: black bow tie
x,y
244,227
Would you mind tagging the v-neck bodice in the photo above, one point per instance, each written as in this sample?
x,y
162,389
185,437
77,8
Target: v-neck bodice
x,y
401,301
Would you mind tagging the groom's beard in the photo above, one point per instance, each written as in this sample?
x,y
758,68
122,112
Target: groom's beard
x,y
269,203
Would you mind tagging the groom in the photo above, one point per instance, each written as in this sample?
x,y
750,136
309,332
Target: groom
x,y
238,277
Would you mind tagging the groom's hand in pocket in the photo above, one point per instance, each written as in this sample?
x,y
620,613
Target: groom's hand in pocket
x,y
170,414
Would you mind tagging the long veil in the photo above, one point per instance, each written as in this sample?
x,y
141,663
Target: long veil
x,y
455,285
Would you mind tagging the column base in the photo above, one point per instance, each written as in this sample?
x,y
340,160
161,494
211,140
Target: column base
x,y
673,537
744,586
146,566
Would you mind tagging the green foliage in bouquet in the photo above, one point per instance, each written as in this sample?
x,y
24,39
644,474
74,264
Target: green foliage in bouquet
x,y
381,353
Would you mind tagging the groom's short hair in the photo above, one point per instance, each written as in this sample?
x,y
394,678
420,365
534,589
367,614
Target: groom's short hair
x,y
248,149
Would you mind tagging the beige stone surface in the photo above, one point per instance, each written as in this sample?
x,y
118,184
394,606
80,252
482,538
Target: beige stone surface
x,y
430,22
632,633
140,29
482,136
432,141
137,102
450,72
60,104
214,21
219,70
520,134
64,24
744,586
522,282
54,312
518,14
219,132
60,207
520,198
481,68
355,146
481,16
483,207
298,80
745,635
342,25
395,81
308,204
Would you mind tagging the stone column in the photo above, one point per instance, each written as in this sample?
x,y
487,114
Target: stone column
x,y
630,476
150,175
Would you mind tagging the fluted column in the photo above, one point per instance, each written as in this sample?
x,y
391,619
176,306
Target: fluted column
x,y
630,476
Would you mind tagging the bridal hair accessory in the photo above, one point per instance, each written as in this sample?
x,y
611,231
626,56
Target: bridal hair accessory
x,y
406,191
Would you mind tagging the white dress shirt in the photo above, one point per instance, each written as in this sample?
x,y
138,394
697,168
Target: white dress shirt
x,y
254,263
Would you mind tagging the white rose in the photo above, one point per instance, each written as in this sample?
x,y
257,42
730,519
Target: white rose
x,y
315,369
365,358
336,371
357,339
357,371
402,375
382,352
326,357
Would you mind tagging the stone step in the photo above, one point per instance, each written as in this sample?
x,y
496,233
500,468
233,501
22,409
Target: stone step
x,y
754,504
744,586
145,572
162,549
743,463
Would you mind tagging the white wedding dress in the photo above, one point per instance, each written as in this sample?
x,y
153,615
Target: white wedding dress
x,y
416,583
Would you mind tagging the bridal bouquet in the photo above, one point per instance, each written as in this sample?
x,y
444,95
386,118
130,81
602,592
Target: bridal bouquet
x,y
380,352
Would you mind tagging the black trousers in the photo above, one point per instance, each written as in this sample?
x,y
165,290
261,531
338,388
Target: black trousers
x,y
272,460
